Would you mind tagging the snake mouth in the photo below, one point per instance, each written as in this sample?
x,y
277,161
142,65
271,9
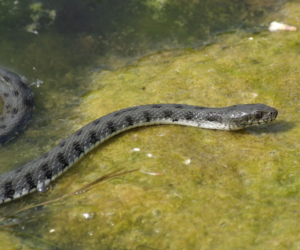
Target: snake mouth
x,y
258,122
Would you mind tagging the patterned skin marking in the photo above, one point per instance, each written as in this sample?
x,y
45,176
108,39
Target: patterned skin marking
x,y
77,148
18,170
29,102
62,160
14,111
93,137
62,143
79,132
18,102
168,114
97,121
6,78
111,128
8,190
124,111
30,181
130,109
47,171
155,106
213,117
178,106
147,116
189,115
129,120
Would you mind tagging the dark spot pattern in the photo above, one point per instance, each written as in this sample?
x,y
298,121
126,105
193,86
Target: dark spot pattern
x,y
18,170
213,117
111,128
8,190
121,112
155,106
189,115
131,109
21,107
29,103
200,108
77,148
47,171
178,106
23,85
61,159
168,114
30,181
6,78
124,111
147,116
129,120
2,126
15,111
79,132
62,143
175,120
97,121
45,155
93,137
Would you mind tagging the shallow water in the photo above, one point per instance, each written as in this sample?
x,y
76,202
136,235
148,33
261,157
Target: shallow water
x,y
216,188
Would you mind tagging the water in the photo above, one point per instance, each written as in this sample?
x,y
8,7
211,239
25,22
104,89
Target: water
x,y
216,188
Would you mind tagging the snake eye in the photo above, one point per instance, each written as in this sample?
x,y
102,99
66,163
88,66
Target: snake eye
x,y
258,114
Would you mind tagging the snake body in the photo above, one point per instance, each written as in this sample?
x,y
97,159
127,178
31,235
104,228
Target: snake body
x,y
39,173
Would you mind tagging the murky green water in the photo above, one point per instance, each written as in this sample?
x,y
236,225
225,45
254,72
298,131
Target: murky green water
x,y
216,189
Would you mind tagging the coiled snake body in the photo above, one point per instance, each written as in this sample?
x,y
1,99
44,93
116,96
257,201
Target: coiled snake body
x,y
18,106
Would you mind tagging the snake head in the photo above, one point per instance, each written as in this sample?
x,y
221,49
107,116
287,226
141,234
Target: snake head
x,y
248,115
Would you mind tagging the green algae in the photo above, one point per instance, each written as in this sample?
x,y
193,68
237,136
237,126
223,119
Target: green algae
x,y
218,190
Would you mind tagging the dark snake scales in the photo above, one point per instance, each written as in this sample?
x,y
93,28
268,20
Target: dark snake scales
x,y
18,102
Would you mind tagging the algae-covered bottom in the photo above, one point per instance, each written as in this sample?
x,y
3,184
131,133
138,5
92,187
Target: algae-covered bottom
x,y
216,189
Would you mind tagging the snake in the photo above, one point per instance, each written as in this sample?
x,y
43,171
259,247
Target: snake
x,y
18,105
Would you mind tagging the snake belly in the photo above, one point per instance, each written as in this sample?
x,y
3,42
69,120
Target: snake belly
x,y
18,106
